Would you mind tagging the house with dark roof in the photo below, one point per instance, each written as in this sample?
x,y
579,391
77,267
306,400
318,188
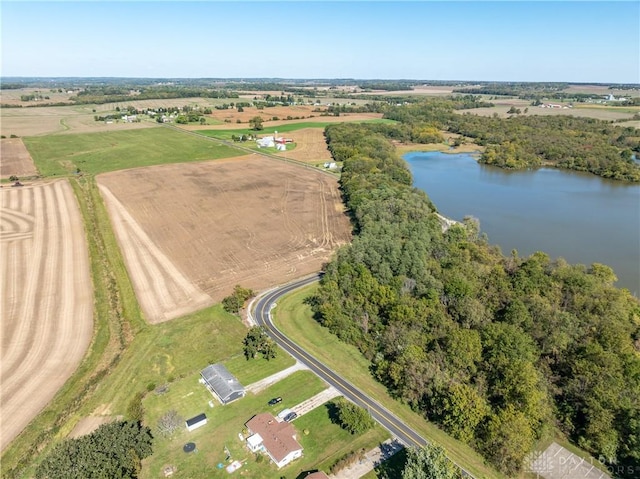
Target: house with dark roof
x,y
276,438
222,383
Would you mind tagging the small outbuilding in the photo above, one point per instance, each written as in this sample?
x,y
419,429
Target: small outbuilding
x,y
196,422
222,383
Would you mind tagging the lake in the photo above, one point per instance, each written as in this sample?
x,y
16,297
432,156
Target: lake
x,y
577,216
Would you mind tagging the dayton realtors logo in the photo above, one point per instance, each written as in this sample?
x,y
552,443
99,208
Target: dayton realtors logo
x,y
558,463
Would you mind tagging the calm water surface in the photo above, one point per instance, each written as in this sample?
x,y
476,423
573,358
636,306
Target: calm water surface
x,y
579,217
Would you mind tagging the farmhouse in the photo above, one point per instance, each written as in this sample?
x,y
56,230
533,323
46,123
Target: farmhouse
x,y
277,439
222,383
196,422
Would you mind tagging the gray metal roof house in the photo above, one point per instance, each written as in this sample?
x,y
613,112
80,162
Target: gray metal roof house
x,y
222,383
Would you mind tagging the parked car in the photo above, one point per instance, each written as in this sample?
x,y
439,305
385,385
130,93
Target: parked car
x,y
290,417
275,401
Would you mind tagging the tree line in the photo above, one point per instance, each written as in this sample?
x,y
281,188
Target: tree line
x,y
582,144
498,350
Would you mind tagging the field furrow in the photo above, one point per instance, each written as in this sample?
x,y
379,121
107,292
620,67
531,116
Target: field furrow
x,y
163,291
249,221
47,322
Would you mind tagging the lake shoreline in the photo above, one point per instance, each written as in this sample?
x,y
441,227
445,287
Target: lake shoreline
x,y
564,213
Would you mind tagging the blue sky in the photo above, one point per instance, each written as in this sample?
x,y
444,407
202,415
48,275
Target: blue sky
x,y
503,41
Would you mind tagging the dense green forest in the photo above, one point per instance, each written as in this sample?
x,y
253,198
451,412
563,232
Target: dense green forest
x,y
498,350
114,450
582,144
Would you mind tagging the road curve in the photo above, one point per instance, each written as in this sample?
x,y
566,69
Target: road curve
x,y
260,311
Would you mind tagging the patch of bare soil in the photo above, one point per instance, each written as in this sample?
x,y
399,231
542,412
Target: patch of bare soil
x,y
88,424
47,299
15,159
191,232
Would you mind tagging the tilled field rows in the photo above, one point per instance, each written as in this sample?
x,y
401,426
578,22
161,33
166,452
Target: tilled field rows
x,y
47,302
163,292
191,232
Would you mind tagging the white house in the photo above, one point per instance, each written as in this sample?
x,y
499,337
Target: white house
x,y
275,438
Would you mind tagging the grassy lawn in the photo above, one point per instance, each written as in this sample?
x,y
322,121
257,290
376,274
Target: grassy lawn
x,y
294,318
164,352
324,444
249,372
101,152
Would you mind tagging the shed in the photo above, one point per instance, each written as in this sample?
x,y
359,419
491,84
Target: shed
x,y
222,383
196,422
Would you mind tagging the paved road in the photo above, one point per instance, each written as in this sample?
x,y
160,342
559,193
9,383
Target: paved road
x,y
261,315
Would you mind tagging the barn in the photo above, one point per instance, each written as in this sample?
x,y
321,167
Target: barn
x,y
222,383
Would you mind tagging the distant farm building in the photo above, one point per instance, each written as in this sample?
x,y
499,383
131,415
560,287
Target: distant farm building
x,y
196,422
277,439
274,142
222,383
266,142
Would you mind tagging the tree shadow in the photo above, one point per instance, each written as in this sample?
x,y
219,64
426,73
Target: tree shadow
x,y
332,411
392,467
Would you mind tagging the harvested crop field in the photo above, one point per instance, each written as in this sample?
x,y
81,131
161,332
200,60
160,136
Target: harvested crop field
x,y
595,112
343,118
58,119
15,159
306,113
47,307
311,146
191,232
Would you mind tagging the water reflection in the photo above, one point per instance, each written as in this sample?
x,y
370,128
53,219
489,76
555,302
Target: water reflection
x,y
577,216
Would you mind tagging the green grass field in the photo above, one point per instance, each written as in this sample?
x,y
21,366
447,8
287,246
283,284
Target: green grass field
x,y
324,444
227,134
95,153
294,319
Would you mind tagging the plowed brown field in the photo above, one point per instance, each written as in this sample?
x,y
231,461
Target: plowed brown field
x,y
47,302
190,232
304,113
311,146
15,159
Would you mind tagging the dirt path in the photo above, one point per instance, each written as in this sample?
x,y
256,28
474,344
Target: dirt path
x,y
47,307
267,382
372,459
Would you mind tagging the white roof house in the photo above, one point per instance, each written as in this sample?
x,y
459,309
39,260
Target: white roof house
x,y
255,443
